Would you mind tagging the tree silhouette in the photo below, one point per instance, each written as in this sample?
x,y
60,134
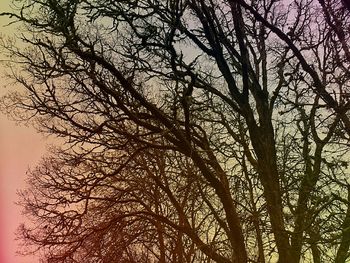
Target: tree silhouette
x,y
192,130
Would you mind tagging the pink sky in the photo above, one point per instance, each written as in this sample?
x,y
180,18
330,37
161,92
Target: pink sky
x,y
20,148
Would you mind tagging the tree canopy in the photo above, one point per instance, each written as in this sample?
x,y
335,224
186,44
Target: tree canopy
x,y
191,130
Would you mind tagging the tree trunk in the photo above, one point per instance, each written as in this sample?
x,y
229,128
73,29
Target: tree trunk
x,y
343,250
263,142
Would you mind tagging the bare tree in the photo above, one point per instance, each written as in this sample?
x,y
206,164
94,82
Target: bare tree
x,y
195,131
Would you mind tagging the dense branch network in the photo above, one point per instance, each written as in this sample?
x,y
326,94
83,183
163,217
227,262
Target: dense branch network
x,y
193,130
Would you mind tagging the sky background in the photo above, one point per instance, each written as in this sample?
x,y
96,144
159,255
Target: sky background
x,y
20,148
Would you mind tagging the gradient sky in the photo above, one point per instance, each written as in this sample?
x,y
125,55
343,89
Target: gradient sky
x,y
20,148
